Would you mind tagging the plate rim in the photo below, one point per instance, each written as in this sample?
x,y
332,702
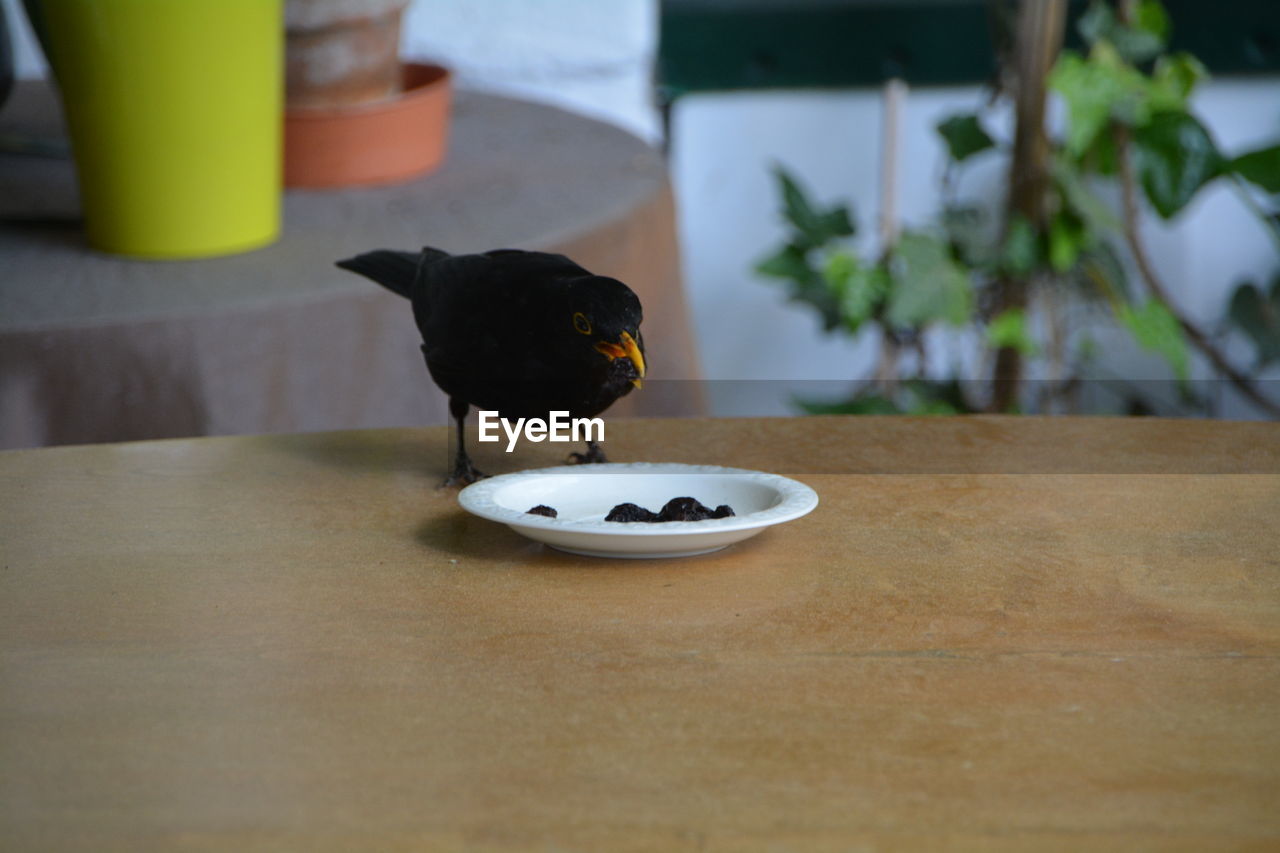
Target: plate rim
x,y
798,500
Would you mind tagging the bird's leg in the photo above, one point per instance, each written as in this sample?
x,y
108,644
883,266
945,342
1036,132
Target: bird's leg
x,y
464,473
593,455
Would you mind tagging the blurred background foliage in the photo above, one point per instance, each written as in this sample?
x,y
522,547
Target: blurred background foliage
x,y
1032,281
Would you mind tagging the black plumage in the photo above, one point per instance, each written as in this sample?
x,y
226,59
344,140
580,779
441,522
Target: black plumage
x,y
520,333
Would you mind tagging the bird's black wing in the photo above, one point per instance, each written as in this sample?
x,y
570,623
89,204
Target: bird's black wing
x,y
485,318
535,265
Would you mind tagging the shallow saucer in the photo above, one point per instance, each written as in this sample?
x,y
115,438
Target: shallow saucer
x,y
583,494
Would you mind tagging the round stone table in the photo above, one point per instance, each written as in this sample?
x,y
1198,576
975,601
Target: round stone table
x,y
97,348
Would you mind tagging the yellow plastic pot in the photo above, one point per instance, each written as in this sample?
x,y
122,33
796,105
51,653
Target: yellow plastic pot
x,y
175,112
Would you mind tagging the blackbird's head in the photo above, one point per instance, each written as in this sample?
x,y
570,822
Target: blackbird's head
x,y
603,315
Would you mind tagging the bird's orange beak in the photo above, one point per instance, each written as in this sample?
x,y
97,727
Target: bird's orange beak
x,y
626,347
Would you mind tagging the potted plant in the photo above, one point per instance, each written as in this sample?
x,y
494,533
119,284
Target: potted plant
x,y
1056,254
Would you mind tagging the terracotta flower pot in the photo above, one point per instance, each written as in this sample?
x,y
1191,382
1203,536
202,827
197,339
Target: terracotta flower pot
x,y
385,141
341,52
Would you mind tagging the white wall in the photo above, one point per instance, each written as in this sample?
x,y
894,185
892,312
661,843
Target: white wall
x,y
591,56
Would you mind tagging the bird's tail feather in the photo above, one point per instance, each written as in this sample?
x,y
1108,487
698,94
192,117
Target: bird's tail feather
x,y
393,270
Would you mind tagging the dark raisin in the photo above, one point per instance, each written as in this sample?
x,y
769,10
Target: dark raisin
x,y
543,509
676,509
684,509
630,512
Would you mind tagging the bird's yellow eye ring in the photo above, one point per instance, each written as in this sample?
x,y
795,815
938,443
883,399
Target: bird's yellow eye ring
x,y
581,323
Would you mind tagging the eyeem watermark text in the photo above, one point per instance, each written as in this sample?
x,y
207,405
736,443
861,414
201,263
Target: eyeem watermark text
x,y
557,427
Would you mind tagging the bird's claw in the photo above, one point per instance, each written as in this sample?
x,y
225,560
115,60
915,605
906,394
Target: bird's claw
x,y
464,474
593,456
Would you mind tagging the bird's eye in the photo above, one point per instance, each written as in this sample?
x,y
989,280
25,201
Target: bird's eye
x,y
581,323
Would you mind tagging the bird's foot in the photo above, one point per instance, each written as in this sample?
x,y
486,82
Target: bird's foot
x,y
594,455
464,473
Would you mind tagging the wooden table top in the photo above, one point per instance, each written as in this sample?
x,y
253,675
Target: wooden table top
x,y
993,633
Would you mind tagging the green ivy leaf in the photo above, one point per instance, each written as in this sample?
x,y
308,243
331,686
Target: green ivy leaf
x,y
1152,18
968,233
1259,318
789,262
965,136
1020,253
1156,329
1138,42
839,268
1174,78
859,289
1097,90
1105,87
796,208
1088,103
812,227
1096,22
1067,239
927,284
1261,167
1175,156
1009,329
1101,156
1076,196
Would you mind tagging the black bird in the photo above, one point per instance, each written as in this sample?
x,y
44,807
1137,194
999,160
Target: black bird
x,y
520,333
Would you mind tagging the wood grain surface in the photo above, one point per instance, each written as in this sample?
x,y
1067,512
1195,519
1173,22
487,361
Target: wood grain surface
x,y
993,634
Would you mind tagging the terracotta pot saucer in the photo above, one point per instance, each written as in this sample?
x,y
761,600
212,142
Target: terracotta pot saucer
x,y
385,141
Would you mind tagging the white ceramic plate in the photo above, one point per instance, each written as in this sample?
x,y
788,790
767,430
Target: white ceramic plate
x,y
582,495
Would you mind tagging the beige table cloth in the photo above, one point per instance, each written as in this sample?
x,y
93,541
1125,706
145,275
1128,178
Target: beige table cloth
x,y
101,348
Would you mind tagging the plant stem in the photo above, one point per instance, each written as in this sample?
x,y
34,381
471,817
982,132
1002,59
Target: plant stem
x,y
1247,199
1039,38
895,93
885,376
1056,351
1202,342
